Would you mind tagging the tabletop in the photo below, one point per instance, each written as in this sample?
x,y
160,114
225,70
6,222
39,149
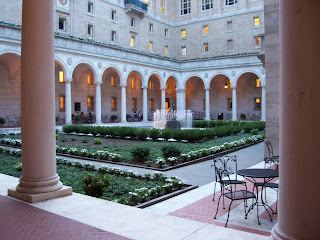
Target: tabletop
x,y
258,173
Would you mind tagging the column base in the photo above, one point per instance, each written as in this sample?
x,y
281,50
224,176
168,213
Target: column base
x,y
31,198
277,234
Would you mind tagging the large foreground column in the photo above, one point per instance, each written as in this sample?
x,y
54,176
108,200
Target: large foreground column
x,y
207,104
98,102
263,103
123,103
181,99
163,99
299,121
145,103
234,104
68,101
39,180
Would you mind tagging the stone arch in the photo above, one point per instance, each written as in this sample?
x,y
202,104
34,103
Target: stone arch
x,y
171,91
134,92
192,76
153,94
249,95
195,96
10,82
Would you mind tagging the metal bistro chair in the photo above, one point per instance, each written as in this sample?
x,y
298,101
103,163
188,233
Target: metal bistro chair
x,y
233,195
226,163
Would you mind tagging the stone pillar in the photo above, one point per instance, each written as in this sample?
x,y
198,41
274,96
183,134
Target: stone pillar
x,y
299,121
98,103
163,99
234,104
145,104
181,99
263,103
39,180
123,103
68,102
207,104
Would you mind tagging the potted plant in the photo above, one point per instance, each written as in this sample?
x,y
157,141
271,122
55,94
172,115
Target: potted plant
x,y
2,121
113,118
243,116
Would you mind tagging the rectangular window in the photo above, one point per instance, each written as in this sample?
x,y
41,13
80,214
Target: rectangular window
x,y
183,33
184,50
230,45
258,83
90,30
229,26
229,104
90,104
231,2
113,104
114,15
133,22
112,82
148,2
257,104
151,85
114,36
257,42
90,7
61,77
205,47
62,24
163,6
166,33
151,104
256,21
62,102
89,79
151,28
207,4
165,50
132,83
185,7
77,106
134,104
150,46
205,30
132,41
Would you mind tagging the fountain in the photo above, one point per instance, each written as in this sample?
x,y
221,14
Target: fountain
x,y
174,119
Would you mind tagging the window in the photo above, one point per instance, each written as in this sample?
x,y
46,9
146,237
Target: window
x,y
231,2
166,33
183,33
207,4
256,21
113,104
62,24
90,103
89,79
61,77
151,28
132,41
229,104
257,104
151,85
205,47
165,50
257,42
151,104
114,15
90,31
184,50
185,7
132,83
114,36
229,26
62,102
90,7
205,30
230,45
134,104
150,46
148,2
133,22
258,83
112,82
163,6
77,106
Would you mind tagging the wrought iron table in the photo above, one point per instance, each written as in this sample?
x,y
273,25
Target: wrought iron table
x,y
259,173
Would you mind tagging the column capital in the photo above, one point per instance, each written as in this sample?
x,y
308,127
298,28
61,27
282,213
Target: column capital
x,y
234,87
68,80
163,89
145,87
207,89
97,83
123,85
180,90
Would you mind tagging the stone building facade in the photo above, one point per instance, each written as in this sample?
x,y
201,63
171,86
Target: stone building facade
x,y
115,57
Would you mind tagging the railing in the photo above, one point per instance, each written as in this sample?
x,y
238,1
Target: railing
x,y
137,3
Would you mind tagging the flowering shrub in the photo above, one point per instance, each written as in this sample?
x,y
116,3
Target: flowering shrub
x,y
172,160
160,162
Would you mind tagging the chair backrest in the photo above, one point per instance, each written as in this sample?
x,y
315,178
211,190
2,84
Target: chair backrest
x,y
270,149
225,164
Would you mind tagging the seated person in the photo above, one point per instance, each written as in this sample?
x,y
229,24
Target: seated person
x,y
84,118
90,117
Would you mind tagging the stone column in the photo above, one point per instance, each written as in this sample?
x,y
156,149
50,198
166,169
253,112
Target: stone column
x,y
68,101
145,103
123,103
207,104
299,121
263,103
181,99
163,99
39,180
234,104
98,103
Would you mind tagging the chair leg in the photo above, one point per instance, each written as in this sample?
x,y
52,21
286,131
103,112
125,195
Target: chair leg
x,y
215,216
214,193
228,213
